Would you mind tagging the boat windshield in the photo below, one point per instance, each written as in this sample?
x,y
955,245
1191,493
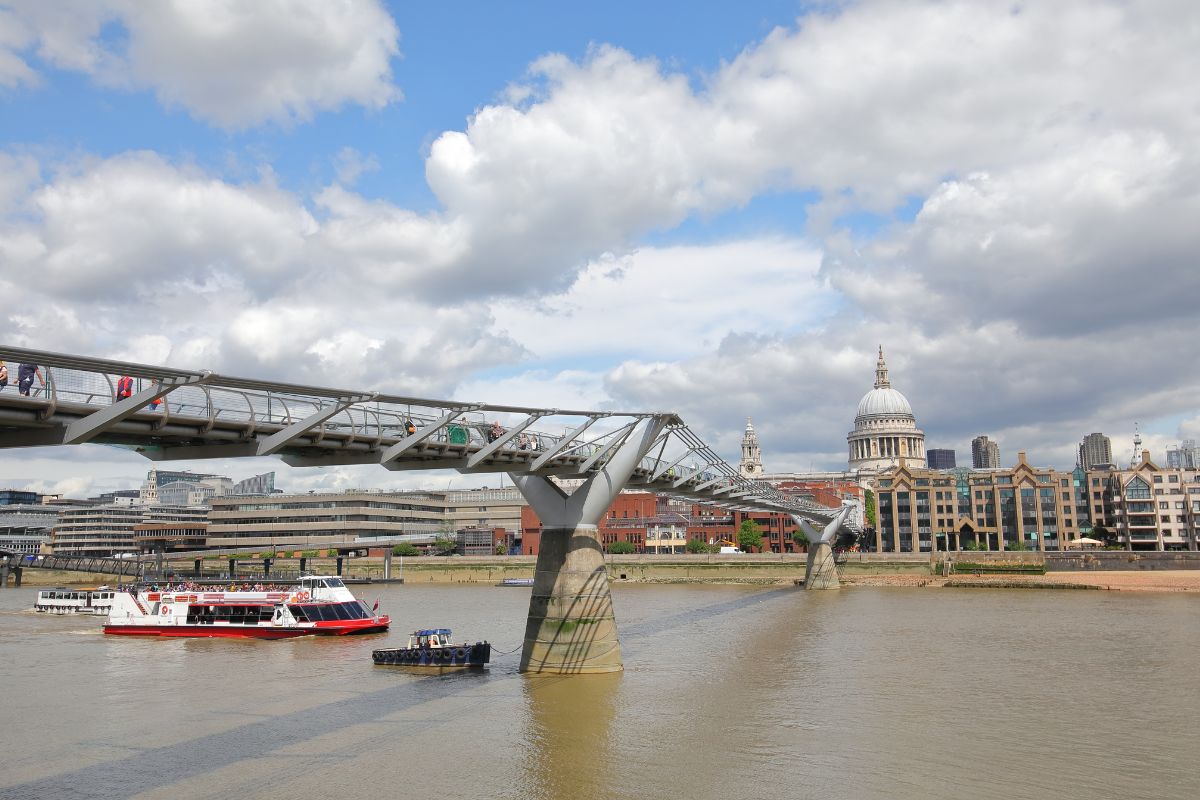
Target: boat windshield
x,y
328,612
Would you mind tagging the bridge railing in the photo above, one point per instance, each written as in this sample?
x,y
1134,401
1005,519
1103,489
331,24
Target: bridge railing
x,y
570,441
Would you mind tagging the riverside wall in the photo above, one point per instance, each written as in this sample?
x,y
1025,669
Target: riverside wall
x,y
756,568
1121,561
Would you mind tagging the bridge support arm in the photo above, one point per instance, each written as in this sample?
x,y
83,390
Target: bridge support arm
x,y
571,627
277,441
821,569
400,447
99,421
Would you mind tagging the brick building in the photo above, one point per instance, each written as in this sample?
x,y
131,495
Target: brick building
x,y
655,524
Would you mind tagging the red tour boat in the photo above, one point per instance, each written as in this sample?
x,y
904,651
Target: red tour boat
x,y
318,605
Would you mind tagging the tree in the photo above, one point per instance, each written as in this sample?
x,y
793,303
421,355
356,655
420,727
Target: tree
x,y
501,549
974,546
622,548
697,546
405,549
869,507
445,544
1016,544
1103,534
801,539
749,536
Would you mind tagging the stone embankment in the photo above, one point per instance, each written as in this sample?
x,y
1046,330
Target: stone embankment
x,y
1161,572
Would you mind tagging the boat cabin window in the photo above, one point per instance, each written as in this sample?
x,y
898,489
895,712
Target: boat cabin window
x,y
322,583
329,612
233,615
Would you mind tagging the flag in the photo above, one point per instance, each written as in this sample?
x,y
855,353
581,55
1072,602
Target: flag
x,y
375,607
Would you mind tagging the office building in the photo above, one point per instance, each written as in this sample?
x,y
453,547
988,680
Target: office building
x,y
13,497
359,517
1095,451
985,454
105,530
939,458
1025,507
1185,456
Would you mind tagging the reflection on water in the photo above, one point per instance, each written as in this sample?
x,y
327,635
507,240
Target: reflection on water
x,y
567,741
728,692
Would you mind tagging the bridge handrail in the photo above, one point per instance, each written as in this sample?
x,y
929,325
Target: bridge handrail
x,y
679,464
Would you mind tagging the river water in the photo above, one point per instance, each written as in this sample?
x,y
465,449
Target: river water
x,y
728,692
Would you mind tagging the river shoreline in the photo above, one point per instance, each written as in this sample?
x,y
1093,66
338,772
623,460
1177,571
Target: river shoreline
x,y
746,571
1148,581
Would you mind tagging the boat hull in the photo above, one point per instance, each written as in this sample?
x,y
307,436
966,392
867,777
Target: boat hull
x,y
446,658
347,628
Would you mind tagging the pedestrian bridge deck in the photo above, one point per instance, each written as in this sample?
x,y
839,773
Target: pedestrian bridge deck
x,y
204,415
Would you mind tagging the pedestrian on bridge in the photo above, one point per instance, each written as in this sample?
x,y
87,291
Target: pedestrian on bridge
x,y
25,376
124,387
3,375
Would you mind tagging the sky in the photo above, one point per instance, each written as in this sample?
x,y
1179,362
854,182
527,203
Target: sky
x,y
717,209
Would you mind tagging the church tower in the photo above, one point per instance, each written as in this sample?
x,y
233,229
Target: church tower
x,y
751,464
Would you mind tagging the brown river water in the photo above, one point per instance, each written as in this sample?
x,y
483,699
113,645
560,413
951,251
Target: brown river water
x,y
728,692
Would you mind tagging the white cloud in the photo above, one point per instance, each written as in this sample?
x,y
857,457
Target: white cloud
x,y
231,64
1044,289
132,222
672,301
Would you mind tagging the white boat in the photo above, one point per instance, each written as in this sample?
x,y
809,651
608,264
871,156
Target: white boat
x,y
317,606
97,600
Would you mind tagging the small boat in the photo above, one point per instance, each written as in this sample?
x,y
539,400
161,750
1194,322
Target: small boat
x,y
97,600
316,606
516,582
432,648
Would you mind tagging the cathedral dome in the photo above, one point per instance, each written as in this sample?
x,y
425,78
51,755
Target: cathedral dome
x,y
883,401
885,429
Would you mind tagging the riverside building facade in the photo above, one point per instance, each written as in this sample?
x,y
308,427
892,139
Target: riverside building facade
x,y
106,530
1146,507
358,517
920,510
1150,507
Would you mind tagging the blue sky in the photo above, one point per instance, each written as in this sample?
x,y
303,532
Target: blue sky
x,y
722,209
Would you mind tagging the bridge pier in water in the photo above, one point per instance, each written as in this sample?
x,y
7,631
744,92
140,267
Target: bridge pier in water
x,y
821,570
571,628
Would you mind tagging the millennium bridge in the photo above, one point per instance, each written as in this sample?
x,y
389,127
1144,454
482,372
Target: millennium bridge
x,y
174,414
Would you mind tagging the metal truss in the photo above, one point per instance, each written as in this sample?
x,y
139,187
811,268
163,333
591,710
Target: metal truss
x,y
177,414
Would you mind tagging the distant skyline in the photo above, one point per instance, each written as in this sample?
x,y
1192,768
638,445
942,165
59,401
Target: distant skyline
x,y
716,210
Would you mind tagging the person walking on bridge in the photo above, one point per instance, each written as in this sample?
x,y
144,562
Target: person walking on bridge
x,y
124,387
25,376
3,375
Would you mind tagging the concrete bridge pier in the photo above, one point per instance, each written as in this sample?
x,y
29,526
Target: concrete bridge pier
x,y
571,628
821,570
